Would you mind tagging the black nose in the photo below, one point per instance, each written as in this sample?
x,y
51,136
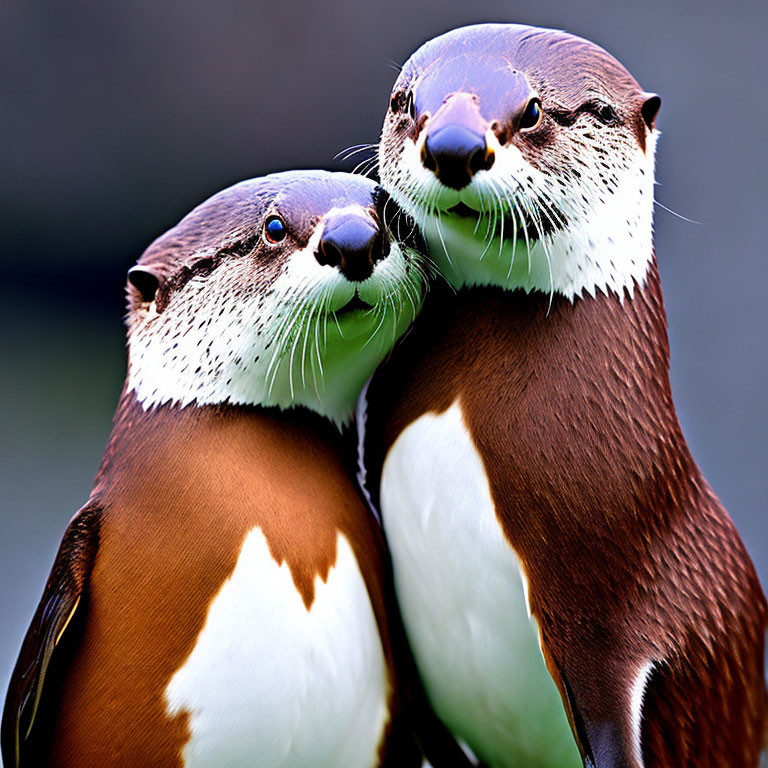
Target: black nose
x,y
353,244
455,154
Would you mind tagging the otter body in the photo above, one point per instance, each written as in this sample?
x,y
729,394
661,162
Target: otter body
x,y
235,608
522,444
222,597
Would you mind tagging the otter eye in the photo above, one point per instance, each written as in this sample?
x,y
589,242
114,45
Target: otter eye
x,y
274,229
532,116
606,114
410,106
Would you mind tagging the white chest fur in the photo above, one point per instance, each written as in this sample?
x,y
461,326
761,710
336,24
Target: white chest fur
x,y
273,685
462,595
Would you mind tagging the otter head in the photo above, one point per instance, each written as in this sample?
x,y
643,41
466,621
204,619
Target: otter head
x,y
526,156
280,291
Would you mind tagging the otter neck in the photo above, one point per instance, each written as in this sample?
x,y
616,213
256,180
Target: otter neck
x,y
217,370
200,479
579,390
171,440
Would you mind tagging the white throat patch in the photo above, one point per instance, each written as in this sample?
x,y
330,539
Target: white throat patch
x,y
602,238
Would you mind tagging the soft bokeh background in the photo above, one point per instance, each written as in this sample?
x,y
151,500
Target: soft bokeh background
x,y
117,118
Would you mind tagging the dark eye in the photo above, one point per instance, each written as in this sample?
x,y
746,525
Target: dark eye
x,y
606,114
274,229
532,116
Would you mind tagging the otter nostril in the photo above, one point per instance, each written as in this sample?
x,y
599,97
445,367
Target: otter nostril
x,y
427,158
482,159
351,243
455,154
329,254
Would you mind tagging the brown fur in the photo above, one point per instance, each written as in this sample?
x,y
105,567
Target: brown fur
x,y
178,491
628,553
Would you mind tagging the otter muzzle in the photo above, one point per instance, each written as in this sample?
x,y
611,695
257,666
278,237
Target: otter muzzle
x,y
455,147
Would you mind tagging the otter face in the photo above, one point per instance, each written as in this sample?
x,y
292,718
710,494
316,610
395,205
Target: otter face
x,y
526,156
280,291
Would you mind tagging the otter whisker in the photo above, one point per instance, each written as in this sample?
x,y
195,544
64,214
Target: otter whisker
x,y
378,311
396,312
289,351
366,166
354,149
442,239
311,307
297,338
283,335
338,326
526,237
322,316
387,302
313,324
533,213
498,214
518,203
501,230
514,242
501,217
490,229
413,301
277,354
481,195
675,213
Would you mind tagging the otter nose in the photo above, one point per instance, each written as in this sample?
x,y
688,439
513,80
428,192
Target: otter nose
x,y
455,154
353,244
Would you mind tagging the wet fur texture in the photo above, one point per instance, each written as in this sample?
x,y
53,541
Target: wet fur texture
x,y
629,555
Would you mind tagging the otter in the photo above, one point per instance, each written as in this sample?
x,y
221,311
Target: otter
x,y
572,589
221,598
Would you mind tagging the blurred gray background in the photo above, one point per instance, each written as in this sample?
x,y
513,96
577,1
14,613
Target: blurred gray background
x,y
117,118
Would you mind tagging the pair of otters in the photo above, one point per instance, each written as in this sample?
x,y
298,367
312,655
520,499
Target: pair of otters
x,y
571,589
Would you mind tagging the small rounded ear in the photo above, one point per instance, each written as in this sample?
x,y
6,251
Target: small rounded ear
x,y
146,280
650,108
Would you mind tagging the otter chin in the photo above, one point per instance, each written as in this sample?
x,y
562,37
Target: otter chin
x,y
573,591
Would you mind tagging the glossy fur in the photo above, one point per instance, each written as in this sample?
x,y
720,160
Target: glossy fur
x,y
555,352
179,491
628,553
157,641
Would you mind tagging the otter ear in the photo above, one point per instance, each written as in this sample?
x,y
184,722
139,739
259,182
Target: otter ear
x,y
146,280
650,108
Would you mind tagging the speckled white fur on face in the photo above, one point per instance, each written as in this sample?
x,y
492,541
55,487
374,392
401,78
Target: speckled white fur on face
x,y
226,337
602,238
